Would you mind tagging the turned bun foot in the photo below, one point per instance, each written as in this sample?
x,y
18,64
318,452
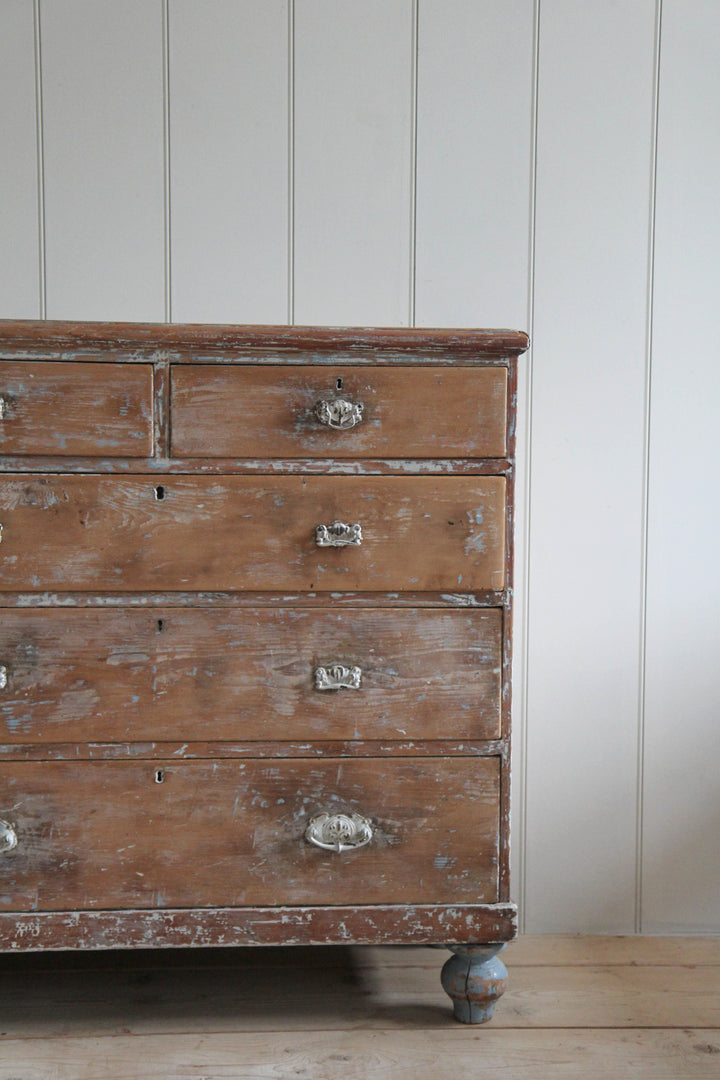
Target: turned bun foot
x,y
474,978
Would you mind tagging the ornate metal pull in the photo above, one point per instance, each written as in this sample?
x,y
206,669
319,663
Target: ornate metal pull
x,y
337,677
3,408
8,837
338,412
339,832
3,677
338,534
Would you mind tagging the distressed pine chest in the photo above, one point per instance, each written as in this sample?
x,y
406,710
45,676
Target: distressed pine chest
x,y
255,590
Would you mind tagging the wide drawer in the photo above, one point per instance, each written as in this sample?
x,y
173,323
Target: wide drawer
x,y
227,833
338,412
251,533
274,674
83,409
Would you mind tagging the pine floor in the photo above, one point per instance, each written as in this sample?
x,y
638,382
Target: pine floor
x,y
585,1008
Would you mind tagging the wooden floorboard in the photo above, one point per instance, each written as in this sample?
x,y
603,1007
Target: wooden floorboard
x,y
580,1007
372,1055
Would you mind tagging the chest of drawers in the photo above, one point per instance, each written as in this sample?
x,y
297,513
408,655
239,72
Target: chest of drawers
x,y
255,593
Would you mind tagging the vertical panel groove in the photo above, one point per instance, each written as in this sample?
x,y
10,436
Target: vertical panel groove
x,y
639,824
414,161
521,726
40,162
291,165
166,159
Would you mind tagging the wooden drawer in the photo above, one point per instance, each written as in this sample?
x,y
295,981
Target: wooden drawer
x,y
270,412
76,409
226,833
217,674
113,533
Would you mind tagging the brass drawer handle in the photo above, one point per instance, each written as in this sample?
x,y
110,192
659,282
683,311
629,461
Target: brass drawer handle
x,y
339,413
338,534
3,677
338,677
339,832
3,408
8,837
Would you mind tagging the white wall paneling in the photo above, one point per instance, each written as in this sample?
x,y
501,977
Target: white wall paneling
x,y
229,160
449,162
474,116
593,208
681,888
20,276
103,140
353,164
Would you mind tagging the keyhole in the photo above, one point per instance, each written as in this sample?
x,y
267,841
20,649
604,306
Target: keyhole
x,y
159,776
160,626
159,492
338,384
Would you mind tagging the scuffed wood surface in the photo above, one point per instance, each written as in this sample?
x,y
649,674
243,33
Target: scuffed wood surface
x,y
351,748
276,466
561,950
417,1055
193,674
242,411
102,410
371,1055
164,746
393,988
181,598
109,533
418,924
107,834
69,336
361,1013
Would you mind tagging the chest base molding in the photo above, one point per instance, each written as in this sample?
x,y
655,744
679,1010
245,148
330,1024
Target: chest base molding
x,y
382,924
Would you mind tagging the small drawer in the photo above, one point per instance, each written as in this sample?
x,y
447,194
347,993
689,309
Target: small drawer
x,y
76,409
292,411
158,834
253,533
250,674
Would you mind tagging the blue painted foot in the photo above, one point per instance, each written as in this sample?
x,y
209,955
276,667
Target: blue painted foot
x,y
474,978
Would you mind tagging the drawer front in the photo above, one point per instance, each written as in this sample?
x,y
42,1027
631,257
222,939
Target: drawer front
x,y
338,412
214,674
251,533
232,833
66,409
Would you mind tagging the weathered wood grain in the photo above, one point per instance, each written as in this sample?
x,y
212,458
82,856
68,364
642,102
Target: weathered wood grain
x,y
195,339
131,533
408,412
362,1054
393,988
237,748
160,834
358,598
217,466
164,746
150,928
70,409
193,673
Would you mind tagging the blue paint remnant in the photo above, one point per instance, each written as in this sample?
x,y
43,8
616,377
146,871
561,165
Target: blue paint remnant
x,y
15,723
476,540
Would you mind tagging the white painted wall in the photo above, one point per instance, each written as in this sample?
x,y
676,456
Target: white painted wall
x,y
549,165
